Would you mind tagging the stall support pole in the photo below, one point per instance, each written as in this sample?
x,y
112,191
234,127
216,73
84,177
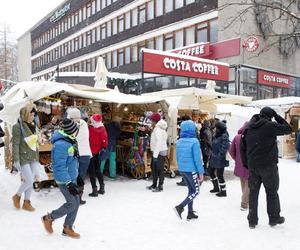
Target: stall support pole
x,y
142,82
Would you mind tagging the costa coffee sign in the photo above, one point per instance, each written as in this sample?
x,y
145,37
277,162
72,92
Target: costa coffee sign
x,y
273,79
199,50
168,64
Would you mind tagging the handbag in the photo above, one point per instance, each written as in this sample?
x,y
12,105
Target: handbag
x,y
103,154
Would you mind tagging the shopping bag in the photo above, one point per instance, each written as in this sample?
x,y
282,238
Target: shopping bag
x,y
103,154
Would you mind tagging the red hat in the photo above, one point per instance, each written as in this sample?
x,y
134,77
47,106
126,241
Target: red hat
x,y
155,117
96,118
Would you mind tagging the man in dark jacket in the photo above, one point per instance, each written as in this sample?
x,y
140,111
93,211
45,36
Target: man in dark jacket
x,y
260,153
206,144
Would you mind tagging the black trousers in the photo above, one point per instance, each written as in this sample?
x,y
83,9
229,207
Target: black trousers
x,y
205,159
158,170
220,174
269,177
94,171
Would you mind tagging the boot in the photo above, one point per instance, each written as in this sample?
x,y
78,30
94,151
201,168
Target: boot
x,y
94,193
216,186
191,215
181,183
178,210
152,187
158,189
68,231
47,221
222,193
274,221
82,202
16,199
101,189
27,206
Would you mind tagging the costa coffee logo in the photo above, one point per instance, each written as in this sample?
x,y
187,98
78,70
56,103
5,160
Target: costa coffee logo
x,y
251,44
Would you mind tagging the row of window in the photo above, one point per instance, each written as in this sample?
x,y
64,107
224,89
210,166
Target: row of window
x,y
202,32
141,14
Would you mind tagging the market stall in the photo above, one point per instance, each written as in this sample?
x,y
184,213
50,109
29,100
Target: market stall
x,y
53,99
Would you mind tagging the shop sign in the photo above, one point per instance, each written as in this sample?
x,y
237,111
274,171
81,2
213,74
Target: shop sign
x,y
168,64
198,50
273,79
60,13
251,44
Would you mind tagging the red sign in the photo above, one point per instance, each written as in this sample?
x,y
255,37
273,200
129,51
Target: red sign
x,y
168,64
251,44
273,79
198,50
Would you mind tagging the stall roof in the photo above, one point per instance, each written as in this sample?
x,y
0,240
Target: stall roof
x,y
23,92
282,101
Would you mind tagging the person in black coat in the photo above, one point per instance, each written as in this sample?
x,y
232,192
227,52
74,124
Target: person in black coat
x,y
259,153
206,143
298,145
217,161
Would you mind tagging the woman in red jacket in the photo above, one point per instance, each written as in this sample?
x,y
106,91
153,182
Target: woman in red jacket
x,y
98,140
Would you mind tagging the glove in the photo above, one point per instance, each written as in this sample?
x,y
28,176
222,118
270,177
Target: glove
x,y
73,188
80,181
17,165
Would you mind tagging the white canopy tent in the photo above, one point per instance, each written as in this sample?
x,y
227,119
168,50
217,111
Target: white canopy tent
x,y
24,92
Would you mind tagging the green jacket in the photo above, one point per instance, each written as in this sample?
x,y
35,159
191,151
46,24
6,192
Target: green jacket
x,y
21,151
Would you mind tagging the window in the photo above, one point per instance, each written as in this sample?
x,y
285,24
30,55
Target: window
x,y
103,31
83,41
213,31
159,7
127,20
121,57
159,43
150,10
140,46
108,29
76,42
88,38
150,44
76,17
134,16
190,35
121,23
179,39
88,65
80,15
142,14
108,60
103,4
108,2
93,35
88,9
168,41
98,33
94,7
134,53
127,55
178,4
168,6
83,13
189,1
114,59
98,5
201,33
115,26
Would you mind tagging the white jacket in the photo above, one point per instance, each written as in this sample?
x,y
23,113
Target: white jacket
x,y
83,139
159,137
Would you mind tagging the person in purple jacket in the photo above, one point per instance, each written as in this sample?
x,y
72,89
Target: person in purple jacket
x,y
240,170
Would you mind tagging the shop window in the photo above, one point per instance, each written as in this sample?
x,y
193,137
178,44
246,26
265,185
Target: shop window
x,y
165,82
169,6
265,92
150,10
115,26
179,39
149,85
142,14
181,82
189,35
179,4
159,43
168,41
213,30
127,55
201,32
120,57
134,17
108,28
127,20
121,23
159,7
248,89
248,75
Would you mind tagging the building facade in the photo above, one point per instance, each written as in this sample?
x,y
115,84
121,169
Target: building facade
x,y
76,33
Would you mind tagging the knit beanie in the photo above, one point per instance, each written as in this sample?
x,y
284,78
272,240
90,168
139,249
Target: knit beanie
x,y
267,112
96,120
74,113
155,117
69,126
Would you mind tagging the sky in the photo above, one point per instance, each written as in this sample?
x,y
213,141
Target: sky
x,y
21,15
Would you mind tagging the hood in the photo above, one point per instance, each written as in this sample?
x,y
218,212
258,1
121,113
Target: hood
x,y
242,129
59,134
257,121
188,129
162,124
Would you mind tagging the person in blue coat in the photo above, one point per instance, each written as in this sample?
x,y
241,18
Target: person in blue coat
x,y
64,156
190,165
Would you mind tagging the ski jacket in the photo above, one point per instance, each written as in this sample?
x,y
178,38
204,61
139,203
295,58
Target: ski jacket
x,y
98,138
159,137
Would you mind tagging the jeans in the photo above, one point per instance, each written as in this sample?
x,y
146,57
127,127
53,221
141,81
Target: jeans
x,y
84,162
70,208
28,172
191,179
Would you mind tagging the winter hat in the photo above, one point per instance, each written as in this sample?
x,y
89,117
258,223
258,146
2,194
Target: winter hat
x,y
96,120
155,117
220,125
267,112
69,127
74,113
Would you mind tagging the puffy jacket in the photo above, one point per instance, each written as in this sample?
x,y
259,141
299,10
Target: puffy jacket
x,y
159,137
206,140
83,139
63,156
188,154
98,138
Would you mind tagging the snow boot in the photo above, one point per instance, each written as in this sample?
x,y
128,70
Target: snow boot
x,y
101,189
82,202
16,199
181,183
191,215
178,210
274,221
68,231
222,193
27,206
158,189
152,187
47,221
94,193
216,186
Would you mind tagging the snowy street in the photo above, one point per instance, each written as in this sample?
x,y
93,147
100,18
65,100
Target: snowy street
x,y
130,217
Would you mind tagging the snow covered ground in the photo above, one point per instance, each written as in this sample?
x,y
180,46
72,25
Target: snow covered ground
x,y
130,217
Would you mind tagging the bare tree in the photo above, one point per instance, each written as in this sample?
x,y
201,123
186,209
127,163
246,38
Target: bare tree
x,y
278,21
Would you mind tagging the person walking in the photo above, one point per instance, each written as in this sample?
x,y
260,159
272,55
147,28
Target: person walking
x,y
206,144
190,166
239,169
83,146
260,154
25,154
217,161
98,141
64,156
159,148
298,145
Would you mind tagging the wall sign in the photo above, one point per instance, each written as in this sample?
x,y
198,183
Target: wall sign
x,y
199,50
60,13
273,79
168,64
251,44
